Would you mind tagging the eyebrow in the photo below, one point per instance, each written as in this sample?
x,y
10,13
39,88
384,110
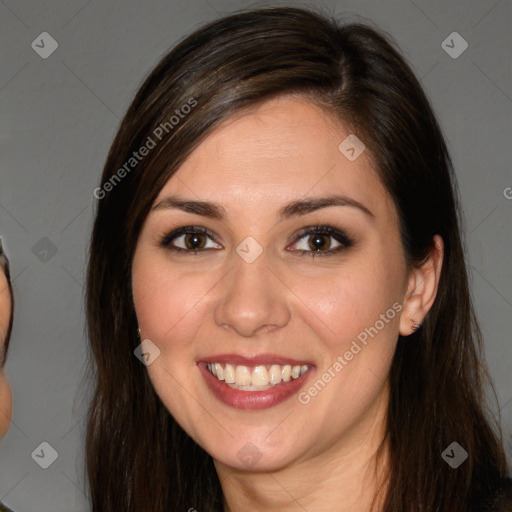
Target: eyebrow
x,y
293,209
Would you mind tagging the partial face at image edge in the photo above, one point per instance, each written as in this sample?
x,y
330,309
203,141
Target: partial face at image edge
x,y
5,321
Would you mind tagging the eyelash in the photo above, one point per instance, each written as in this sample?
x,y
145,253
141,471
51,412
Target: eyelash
x,y
341,237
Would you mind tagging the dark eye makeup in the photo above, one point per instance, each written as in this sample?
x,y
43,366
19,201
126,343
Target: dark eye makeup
x,y
195,243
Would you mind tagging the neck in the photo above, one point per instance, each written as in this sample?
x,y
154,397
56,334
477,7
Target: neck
x,y
344,478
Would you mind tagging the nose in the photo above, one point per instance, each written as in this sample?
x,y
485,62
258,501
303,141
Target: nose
x,y
253,299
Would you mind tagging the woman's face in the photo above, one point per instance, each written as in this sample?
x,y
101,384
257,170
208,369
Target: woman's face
x,y
256,299
5,390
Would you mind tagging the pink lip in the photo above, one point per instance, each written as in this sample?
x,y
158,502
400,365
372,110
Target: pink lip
x,y
261,359
253,400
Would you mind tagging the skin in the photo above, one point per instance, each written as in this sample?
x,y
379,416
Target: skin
x,y
319,456
5,389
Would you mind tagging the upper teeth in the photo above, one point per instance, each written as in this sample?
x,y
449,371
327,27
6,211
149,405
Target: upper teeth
x,y
269,375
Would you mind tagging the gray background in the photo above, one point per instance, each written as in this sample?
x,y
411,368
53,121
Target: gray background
x,y
59,116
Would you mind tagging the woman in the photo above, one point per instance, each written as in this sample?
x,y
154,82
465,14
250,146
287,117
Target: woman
x,y
6,317
278,303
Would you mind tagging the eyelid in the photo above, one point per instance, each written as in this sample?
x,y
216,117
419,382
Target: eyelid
x,y
165,240
336,233
344,240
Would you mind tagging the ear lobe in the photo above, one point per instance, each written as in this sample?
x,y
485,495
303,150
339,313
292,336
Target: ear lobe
x,y
422,288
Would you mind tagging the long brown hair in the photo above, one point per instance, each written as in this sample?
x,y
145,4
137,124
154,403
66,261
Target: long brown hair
x,y
138,457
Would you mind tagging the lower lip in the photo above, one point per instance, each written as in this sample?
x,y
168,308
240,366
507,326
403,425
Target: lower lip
x,y
253,400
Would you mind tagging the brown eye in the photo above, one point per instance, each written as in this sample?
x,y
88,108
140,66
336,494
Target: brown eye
x,y
194,241
319,242
190,239
322,241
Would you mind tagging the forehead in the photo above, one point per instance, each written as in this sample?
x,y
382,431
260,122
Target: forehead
x,y
280,150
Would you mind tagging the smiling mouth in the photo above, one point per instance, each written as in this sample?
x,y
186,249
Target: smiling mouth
x,y
256,378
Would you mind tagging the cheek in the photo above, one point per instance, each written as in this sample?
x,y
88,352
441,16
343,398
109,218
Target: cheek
x,y
351,300
355,318
166,299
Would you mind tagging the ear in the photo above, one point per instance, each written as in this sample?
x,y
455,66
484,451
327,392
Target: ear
x,y
422,287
